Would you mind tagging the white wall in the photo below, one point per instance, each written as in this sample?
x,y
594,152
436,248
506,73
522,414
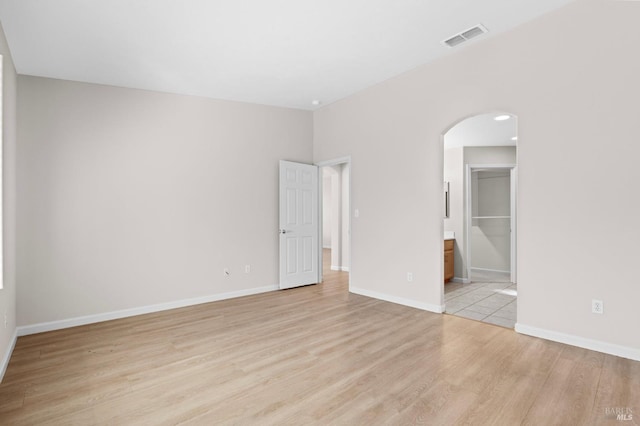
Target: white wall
x,y
131,198
8,292
490,155
576,99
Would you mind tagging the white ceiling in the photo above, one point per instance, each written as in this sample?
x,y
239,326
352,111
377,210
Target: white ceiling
x,y
482,130
277,52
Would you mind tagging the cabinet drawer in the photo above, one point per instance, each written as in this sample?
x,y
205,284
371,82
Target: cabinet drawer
x,y
448,265
448,245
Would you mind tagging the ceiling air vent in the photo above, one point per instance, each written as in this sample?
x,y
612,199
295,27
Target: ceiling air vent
x,y
465,35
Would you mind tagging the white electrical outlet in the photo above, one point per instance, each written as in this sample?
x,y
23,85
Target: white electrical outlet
x,y
597,307
226,272
409,276
247,269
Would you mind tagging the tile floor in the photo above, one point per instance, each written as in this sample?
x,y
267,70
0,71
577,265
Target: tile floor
x,y
493,301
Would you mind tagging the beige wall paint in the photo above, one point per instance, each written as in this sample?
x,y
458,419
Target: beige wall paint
x,y
575,94
490,155
131,198
8,293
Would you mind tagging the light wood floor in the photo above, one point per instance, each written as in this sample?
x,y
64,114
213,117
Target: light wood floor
x,y
312,355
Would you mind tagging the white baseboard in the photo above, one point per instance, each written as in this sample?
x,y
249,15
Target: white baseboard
x,y
7,355
460,280
581,342
107,316
340,268
326,247
491,270
438,309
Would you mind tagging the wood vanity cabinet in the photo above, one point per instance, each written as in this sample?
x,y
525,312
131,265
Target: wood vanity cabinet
x,y
448,260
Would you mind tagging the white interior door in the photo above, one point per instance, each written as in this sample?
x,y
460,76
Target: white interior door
x,y
299,224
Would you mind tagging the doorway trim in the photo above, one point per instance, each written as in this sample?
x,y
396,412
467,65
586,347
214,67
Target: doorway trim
x,y
326,163
513,175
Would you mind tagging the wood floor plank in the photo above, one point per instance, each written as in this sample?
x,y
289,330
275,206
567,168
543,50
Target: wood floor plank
x,y
618,391
568,395
508,398
311,355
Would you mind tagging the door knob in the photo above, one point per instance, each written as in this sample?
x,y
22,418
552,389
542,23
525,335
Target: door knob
x,y
283,231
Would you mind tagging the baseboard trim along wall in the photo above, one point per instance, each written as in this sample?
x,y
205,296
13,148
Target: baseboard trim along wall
x,y
107,316
581,342
490,270
340,268
438,309
460,280
7,356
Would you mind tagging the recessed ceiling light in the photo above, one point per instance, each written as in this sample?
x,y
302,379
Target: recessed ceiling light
x,y
515,138
315,102
502,117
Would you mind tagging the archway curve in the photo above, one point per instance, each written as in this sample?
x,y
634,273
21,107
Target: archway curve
x,y
496,111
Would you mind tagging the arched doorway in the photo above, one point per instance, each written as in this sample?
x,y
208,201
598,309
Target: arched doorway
x,y
480,190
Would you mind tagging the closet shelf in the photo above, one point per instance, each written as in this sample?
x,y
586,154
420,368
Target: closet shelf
x,y
491,217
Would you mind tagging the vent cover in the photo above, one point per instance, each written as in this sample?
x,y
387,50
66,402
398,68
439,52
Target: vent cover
x,y
465,36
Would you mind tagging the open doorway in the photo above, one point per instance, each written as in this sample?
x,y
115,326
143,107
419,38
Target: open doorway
x,y
336,224
491,227
480,174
